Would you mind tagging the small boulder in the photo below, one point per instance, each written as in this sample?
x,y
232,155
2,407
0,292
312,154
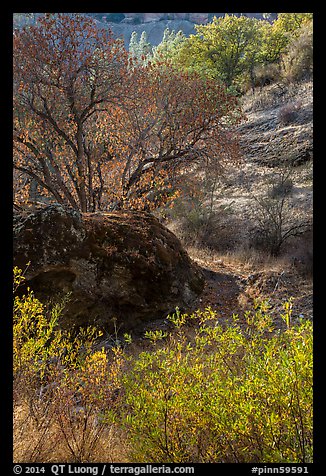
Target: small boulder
x,y
124,265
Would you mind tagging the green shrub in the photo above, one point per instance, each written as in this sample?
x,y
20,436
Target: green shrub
x,y
36,339
235,394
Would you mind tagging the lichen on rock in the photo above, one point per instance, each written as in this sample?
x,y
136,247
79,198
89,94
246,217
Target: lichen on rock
x,y
124,265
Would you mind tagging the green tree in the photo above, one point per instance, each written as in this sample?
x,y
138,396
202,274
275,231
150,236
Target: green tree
x,y
290,23
277,36
169,47
133,45
225,49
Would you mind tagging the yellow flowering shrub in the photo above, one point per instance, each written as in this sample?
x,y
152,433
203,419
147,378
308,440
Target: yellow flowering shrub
x,y
206,392
62,382
235,394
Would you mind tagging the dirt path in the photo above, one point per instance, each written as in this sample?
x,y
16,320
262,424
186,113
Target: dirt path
x,y
224,288
232,289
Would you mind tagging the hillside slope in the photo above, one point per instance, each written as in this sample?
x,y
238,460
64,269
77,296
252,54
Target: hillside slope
x,y
280,124
155,23
278,130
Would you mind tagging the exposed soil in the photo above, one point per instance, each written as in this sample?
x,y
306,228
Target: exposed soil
x,y
231,290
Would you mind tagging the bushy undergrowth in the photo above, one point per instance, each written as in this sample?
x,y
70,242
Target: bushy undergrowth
x,y
235,394
200,216
199,226
206,392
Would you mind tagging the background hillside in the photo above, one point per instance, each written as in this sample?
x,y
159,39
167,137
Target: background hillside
x,y
154,24
123,24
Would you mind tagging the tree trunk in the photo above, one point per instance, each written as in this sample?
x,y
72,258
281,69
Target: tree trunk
x,y
81,170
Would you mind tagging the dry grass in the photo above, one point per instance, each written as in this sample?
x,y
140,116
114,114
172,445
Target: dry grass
x,y
39,438
276,95
245,260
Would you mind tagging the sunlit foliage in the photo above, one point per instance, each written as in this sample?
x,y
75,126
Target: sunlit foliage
x,y
241,393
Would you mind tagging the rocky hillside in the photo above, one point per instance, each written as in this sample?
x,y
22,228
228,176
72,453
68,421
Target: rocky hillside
x,y
278,131
123,24
280,124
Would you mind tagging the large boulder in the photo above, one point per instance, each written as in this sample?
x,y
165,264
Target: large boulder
x,y
123,265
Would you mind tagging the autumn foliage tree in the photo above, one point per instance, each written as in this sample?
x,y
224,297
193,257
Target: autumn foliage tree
x,y
65,72
172,123
94,131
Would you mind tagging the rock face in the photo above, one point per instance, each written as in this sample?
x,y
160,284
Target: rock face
x,y
123,24
155,23
154,29
122,265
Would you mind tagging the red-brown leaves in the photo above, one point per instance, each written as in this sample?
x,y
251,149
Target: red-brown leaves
x,y
95,131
